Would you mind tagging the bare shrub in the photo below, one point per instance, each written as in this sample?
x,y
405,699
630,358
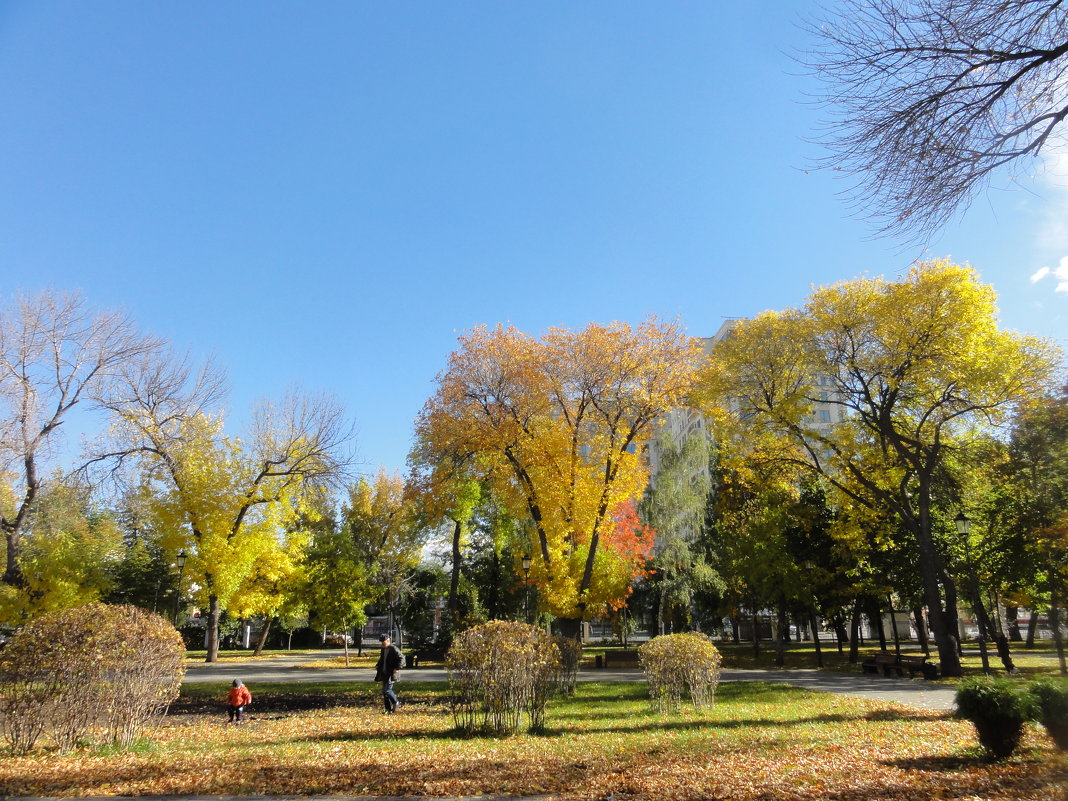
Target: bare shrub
x,y
24,704
499,671
570,656
676,664
146,675
95,672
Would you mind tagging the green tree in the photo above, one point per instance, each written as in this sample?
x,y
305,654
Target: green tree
x,y
674,505
336,583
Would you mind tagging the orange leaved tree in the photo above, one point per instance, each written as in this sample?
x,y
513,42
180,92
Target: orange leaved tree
x,y
558,426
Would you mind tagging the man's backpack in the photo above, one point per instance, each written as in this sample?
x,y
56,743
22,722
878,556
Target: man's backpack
x,y
402,661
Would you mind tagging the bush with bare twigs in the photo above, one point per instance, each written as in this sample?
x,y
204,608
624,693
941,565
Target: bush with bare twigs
x,y
675,664
498,672
94,672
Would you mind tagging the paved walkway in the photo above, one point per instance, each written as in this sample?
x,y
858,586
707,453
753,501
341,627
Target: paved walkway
x,y
285,669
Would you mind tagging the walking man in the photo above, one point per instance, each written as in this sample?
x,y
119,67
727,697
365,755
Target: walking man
x,y
389,662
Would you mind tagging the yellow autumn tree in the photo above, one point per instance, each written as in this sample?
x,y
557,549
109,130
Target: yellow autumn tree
x,y
275,581
66,551
558,425
225,501
378,517
915,366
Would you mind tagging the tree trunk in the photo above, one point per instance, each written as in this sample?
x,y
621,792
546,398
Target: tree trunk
x,y
921,629
345,642
952,610
570,627
988,632
12,574
782,622
1012,616
840,632
756,634
289,641
854,632
930,565
875,614
816,635
736,630
213,628
263,636
1055,618
454,581
1032,626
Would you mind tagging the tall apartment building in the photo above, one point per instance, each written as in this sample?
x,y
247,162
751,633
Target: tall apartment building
x,y
684,422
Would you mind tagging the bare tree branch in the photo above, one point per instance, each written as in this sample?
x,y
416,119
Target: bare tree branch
x,y
928,98
55,352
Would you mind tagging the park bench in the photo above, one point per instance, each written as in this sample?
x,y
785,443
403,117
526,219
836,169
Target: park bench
x,y
620,658
887,661
426,655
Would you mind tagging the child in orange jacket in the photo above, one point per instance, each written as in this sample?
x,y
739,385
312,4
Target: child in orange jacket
x,y
237,699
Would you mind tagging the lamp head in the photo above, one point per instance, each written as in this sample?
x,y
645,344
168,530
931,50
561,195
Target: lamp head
x,y
963,523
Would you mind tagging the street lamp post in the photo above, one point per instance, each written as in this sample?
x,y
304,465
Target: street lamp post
x,y
180,561
964,527
526,588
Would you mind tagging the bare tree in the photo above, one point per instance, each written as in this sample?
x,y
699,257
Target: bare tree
x,y
929,97
149,403
55,352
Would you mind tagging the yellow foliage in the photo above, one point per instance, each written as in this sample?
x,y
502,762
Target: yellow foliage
x,y
558,425
225,508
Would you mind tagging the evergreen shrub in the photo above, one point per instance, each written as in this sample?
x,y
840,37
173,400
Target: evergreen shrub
x,y
1052,698
680,664
998,709
499,673
94,672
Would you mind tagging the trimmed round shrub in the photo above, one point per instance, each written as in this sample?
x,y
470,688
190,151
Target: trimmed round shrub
x,y
500,672
94,672
998,710
679,664
1052,699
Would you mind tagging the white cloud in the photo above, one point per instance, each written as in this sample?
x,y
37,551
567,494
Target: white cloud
x,y
1062,275
1062,269
1039,274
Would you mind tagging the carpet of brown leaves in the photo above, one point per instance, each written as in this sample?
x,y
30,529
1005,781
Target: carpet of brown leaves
x,y
753,745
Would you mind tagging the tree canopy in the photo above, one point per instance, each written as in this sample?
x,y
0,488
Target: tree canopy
x,y
557,425
916,365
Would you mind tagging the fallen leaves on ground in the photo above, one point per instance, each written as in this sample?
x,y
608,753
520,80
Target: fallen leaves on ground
x,y
757,743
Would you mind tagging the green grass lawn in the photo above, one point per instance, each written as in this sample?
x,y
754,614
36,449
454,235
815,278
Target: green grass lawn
x,y
759,741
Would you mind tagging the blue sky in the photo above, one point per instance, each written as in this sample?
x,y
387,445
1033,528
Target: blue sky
x,y
326,194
